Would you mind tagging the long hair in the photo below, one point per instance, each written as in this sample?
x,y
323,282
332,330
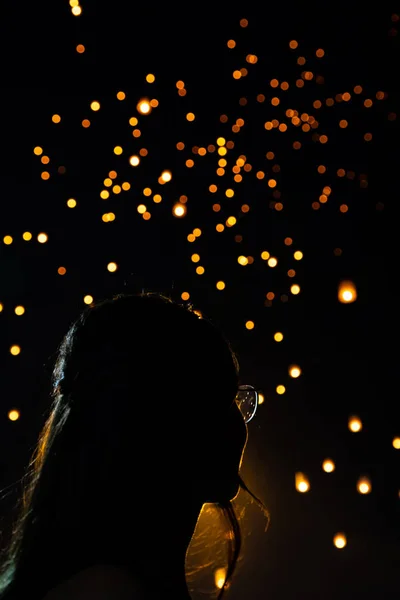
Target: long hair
x,y
71,459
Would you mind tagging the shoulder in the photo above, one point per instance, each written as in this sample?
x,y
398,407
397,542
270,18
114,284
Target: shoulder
x,y
102,582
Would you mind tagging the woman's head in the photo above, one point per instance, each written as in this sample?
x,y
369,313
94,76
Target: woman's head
x,y
143,399
152,386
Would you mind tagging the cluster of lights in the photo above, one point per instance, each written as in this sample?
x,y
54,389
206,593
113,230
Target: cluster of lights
x,y
227,162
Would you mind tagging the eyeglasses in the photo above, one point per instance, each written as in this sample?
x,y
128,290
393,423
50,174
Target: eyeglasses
x,y
247,401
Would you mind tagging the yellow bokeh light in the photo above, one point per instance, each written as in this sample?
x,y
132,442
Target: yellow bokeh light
x,y
76,10
265,255
340,540
355,424
56,118
42,238
190,116
179,210
200,270
302,483
347,292
134,160
243,260
396,443
298,255
88,299
150,78
272,262
144,107
220,285
294,371
95,105
280,389
19,310
15,350
14,415
364,486
328,465
112,267
249,324
38,150
278,336
166,176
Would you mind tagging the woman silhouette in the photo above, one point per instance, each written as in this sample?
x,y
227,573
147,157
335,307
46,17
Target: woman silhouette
x,y
144,428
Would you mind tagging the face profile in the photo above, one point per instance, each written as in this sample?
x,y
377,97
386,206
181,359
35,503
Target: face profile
x,y
148,423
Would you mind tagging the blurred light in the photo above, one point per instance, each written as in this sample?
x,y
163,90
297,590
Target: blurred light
x,y
278,336
328,465
280,389
95,105
396,443
249,325
272,262
166,176
219,578
347,292
88,299
355,424
185,296
134,160
294,371
19,310
298,255
261,398
302,483
15,350
220,285
364,485
243,260
144,107
150,78
340,540
42,238
112,267
295,289
179,210
14,415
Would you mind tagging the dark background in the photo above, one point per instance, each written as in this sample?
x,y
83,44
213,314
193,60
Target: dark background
x,y
346,352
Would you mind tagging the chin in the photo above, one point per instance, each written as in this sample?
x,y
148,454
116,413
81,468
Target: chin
x,y
223,490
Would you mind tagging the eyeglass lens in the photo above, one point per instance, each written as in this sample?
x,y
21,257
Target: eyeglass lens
x,y
246,399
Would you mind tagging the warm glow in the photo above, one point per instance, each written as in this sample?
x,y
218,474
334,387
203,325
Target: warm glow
x,y
14,415
364,485
340,540
294,371
347,292
88,299
219,578
355,424
302,483
179,210
396,443
278,336
328,465
280,389
144,107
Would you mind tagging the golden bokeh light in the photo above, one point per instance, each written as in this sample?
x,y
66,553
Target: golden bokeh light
x,y
302,483
355,424
340,540
328,465
347,292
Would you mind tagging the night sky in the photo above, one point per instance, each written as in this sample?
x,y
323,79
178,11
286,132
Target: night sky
x,y
293,148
